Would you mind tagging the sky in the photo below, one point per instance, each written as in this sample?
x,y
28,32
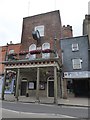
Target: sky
x,y
12,12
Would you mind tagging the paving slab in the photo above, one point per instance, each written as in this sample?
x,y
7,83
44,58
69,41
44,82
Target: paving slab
x,y
43,100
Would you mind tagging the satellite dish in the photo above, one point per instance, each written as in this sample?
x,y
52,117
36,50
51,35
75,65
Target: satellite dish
x,y
36,35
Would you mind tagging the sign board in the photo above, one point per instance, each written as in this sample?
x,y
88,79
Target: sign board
x,y
31,85
83,74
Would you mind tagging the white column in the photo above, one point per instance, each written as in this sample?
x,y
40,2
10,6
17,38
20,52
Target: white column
x,y
37,90
17,84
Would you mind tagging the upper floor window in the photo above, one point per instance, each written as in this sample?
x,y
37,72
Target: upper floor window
x,y
31,48
40,29
75,47
44,47
11,51
77,63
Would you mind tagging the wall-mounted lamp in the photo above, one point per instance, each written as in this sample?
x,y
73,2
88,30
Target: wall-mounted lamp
x,y
36,35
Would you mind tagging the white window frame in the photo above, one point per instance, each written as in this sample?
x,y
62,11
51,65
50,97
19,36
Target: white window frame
x,y
11,51
45,46
40,29
32,47
77,63
75,47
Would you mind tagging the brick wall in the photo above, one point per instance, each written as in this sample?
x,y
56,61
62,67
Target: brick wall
x,y
86,27
7,48
67,31
52,27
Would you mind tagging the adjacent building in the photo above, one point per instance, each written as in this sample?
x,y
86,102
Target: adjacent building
x,y
6,53
86,31
6,50
86,26
75,65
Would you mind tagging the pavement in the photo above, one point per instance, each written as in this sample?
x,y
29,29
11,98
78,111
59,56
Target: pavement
x,y
71,101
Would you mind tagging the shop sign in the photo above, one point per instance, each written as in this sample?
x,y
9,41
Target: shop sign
x,y
83,74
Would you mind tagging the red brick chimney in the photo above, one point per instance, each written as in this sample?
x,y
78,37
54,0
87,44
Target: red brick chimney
x,y
67,31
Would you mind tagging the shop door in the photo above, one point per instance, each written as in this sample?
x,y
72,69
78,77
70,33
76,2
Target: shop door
x,y
50,88
23,88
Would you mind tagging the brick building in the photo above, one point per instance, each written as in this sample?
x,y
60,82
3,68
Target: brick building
x,y
86,31
86,26
6,50
49,26
39,60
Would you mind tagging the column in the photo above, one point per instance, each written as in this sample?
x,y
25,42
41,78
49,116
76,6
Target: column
x,y
17,84
58,86
55,85
37,90
65,88
3,85
62,90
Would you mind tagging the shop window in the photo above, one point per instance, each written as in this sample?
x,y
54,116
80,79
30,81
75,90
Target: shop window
x,y
44,47
75,47
40,29
77,63
9,86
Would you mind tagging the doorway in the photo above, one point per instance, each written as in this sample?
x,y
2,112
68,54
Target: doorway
x,y
51,88
23,88
81,87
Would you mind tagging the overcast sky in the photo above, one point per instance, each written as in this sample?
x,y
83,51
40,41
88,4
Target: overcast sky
x,y
12,12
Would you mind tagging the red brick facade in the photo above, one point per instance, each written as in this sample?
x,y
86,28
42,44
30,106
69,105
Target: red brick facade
x,y
52,28
6,49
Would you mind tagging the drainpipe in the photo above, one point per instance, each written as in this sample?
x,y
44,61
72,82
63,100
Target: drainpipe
x,y
6,53
55,49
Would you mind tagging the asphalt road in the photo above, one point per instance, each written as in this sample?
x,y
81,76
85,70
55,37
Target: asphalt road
x,y
34,110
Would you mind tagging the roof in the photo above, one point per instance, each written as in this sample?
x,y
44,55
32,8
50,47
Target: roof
x,y
74,37
10,44
42,14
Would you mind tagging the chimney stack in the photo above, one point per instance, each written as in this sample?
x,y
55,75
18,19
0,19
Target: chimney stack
x,y
67,31
86,26
11,42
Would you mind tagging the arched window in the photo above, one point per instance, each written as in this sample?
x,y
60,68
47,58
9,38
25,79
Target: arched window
x,y
31,48
44,47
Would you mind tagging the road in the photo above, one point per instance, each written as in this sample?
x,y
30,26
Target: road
x,y
34,110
